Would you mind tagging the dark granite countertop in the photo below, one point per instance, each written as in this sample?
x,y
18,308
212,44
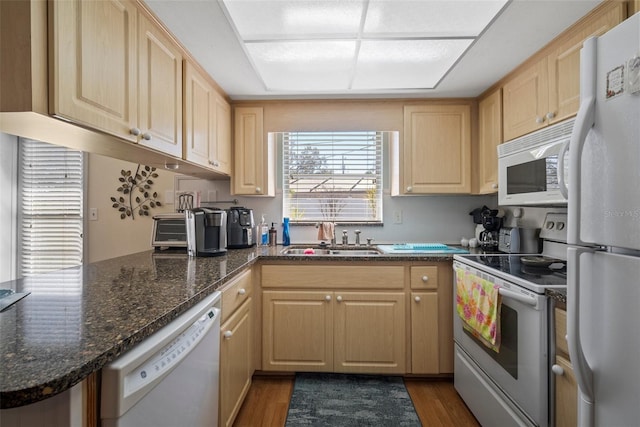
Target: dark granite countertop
x,y
58,335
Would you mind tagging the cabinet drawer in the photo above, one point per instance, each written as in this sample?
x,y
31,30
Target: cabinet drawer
x,y
561,332
424,277
235,293
333,276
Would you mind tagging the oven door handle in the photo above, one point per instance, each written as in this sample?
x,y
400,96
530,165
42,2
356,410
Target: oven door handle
x,y
518,297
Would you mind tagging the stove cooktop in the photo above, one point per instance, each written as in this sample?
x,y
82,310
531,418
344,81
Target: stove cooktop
x,y
526,270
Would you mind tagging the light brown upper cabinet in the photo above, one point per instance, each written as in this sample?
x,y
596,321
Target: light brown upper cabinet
x,y
207,122
435,156
490,136
547,90
116,71
253,170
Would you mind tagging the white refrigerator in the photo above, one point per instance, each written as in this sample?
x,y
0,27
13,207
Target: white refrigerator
x,y
603,295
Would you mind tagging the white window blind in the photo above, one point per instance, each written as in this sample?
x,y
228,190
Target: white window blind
x,y
50,207
332,176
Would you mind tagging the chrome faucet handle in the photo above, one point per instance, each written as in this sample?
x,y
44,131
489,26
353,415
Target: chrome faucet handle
x,y
357,233
369,240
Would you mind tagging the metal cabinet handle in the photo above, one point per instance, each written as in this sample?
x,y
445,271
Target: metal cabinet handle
x,y
417,299
228,334
135,131
339,298
557,369
242,291
539,120
494,186
258,190
409,189
425,278
327,298
551,115
146,136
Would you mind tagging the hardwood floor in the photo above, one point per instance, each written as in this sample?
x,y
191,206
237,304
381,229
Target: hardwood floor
x,y
436,402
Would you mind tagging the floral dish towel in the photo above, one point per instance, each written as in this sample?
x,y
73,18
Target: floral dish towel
x,y
478,305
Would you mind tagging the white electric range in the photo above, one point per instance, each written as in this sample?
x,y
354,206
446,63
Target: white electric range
x,y
512,386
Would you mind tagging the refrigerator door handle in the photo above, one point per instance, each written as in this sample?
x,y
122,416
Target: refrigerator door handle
x,y
583,373
562,183
584,122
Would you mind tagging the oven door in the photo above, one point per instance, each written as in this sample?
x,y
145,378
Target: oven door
x,y
520,368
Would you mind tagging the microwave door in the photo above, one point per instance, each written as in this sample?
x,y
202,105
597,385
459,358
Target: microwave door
x,y
528,175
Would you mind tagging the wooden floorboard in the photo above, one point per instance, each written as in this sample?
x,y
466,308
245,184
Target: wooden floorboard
x,y
436,401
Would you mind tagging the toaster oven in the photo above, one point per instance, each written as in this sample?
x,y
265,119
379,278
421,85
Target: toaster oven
x,y
169,231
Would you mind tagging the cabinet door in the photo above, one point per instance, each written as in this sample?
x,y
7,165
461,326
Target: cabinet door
x,y
566,395
235,362
424,333
437,149
251,155
160,89
564,62
369,333
199,116
526,101
297,331
221,154
94,64
490,136
207,122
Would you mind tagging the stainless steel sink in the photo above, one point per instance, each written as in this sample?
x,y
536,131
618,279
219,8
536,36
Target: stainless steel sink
x,y
337,251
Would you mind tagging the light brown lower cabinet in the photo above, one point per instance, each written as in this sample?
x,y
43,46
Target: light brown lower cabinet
x,y
566,400
236,362
566,387
425,356
333,331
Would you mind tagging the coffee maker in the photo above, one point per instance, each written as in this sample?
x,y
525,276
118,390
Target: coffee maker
x,y
206,231
241,228
491,222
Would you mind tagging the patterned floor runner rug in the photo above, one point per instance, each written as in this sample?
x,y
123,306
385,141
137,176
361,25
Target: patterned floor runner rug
x,y
350,400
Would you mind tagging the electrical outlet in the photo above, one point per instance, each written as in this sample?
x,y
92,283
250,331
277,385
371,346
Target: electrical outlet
x,y
397,217
93,214
168,197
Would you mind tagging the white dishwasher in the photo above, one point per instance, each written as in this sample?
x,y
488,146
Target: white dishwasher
x,y
171,378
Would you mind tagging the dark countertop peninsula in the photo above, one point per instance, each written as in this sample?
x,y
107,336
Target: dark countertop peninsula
x,y
59,334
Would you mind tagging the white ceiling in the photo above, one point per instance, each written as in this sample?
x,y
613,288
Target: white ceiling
x,y
520,29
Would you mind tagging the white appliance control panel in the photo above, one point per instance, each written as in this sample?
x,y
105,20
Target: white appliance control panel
x,y
166,358
554,227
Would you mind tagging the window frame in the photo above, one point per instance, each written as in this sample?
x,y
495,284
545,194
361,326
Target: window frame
x,y
364,154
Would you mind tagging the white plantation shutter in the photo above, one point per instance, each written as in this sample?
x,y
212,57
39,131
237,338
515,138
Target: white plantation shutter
x,y
332,176
50,206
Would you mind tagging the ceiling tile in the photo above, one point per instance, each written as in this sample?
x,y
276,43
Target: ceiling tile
x,y
303,65
265,20
451,18
404,64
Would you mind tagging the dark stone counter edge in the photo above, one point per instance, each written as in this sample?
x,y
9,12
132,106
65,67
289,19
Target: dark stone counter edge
x,y
16,398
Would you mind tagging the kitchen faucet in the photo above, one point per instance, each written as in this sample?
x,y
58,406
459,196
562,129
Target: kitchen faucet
x,y
357,233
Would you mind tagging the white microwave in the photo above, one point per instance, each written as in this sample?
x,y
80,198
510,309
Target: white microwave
x,y
532,169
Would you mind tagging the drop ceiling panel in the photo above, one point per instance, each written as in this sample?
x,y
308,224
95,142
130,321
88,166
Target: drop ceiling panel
x,y
452,18
402,64
304,65
268,20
